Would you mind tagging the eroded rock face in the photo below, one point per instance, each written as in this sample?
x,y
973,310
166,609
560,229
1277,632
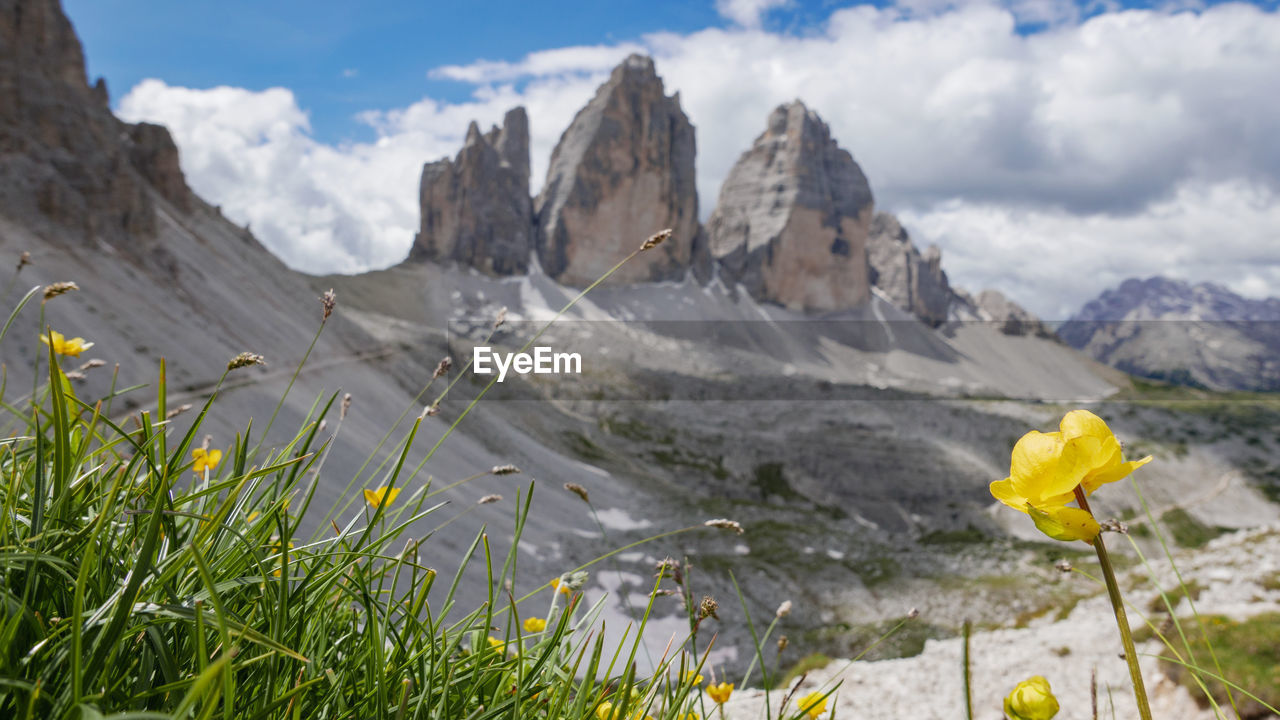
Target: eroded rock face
x,y
63,156
1009,316
476,209
914,281
793,217
622,171
154,155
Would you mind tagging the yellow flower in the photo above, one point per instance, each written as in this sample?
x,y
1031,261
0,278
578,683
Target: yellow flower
x,y
1046,468
381,496
605,711
497,644
1031,700
535,625
814,704
253,516
563,589
689,716
205,459
63,346
692,677
720,692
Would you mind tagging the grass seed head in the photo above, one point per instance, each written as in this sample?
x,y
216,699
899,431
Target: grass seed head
x,y
329,300
53,290
578,490
708,607
23,260
656,239
443,367
245,359
488,499
725,524
505,470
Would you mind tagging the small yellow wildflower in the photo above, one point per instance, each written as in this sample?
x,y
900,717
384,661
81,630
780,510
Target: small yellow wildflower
x,y
692,677
1031,700
720,692
381,496
604,711
253,516
205,459
689,716
63,346
563,589
497,644
813,704
535,625
1046,468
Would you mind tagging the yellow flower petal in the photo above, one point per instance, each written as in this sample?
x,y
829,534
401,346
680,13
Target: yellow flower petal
x,y
1002,490
1065,523
720,692
1031,699
381,496
813,704
1045,465
1109,475
535,625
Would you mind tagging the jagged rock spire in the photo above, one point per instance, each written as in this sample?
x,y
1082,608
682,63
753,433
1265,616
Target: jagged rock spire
x,y
622,171
476,208
792,221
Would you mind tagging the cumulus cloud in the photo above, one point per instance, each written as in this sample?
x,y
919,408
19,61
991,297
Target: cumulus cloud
x,y
1116,134
747,13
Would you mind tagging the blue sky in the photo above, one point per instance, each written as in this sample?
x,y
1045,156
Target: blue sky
x,y
1047,146
341,58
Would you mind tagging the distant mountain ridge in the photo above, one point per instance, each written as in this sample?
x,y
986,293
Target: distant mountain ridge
x,y
1200,335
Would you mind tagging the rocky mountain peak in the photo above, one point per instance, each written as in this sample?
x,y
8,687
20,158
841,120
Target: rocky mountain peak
x,y
1203,335
475,208
65,160
621,171
793,217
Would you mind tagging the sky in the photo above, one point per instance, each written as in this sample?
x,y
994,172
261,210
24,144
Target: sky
x,y
1050,148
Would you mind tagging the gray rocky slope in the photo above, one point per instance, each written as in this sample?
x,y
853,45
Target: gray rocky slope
x,y
695,401
1202,335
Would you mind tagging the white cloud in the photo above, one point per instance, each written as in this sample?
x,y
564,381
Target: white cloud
x,y
571,60
1119,129
747,13
1053,261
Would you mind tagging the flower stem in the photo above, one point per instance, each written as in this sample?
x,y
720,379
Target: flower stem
x,y
1122,620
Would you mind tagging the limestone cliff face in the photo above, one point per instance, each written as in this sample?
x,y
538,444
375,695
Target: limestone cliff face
x,y
476,209
65,160
793,217
914,281
622,171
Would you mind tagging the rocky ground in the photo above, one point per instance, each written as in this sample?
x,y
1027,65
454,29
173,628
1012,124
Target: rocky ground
x,y
1236,574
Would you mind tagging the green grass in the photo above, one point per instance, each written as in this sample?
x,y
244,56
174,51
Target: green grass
x,y
1249,652
1187,531
134,586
